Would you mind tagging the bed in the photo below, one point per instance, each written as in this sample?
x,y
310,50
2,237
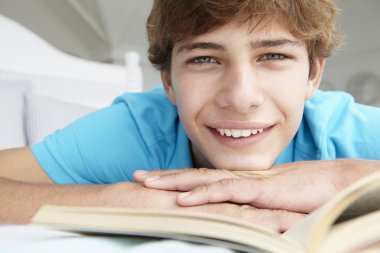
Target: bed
x,y
43,89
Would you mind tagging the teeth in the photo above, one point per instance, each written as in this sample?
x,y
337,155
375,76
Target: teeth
x,y
246,133
237,133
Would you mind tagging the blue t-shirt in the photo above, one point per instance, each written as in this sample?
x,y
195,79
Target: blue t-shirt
x,y
143,131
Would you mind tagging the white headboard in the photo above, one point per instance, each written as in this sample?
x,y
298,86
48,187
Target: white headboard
x,y
24,56
43,89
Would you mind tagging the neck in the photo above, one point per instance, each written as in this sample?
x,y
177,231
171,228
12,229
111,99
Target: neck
x,y
199,160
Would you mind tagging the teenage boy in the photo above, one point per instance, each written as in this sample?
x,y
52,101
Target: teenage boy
x,y
236,75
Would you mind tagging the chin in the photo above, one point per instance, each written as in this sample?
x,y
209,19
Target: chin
x,y
250,165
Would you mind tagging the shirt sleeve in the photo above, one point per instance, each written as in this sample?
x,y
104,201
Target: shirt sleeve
x,y
341,128
108,145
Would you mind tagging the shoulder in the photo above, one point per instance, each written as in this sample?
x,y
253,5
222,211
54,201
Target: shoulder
x,y
147,118
139,130
151,113
339,127
324,101
336,107
154,100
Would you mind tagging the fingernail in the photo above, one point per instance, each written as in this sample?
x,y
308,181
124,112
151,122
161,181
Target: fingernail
x,y
184,194
140,172
150,179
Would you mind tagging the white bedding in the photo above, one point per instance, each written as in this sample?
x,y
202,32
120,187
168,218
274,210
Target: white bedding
x,y
43,89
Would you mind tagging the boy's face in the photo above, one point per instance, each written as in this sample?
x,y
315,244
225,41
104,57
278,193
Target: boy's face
x,y
240,93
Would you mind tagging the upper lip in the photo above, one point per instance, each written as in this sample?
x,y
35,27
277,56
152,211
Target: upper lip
x,y
239,125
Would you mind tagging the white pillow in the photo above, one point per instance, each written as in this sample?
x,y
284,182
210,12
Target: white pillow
x,y
45,115
91,94
12,103
22,86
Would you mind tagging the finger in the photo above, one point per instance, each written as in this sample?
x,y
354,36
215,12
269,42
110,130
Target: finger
x,y
187,179
261,193
240,191
140,175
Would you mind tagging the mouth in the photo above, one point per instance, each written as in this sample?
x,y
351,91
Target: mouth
x,y
239,133
242,137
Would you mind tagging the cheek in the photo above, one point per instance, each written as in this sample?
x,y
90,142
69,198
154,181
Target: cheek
x,y
189,103
192,94
288,95
189,111
191,107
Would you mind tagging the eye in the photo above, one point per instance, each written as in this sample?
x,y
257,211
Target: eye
x,y
273,57
203,60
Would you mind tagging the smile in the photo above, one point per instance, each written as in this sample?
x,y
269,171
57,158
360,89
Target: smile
x,y
238,133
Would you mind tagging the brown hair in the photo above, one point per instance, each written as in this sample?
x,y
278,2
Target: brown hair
x,y
170,21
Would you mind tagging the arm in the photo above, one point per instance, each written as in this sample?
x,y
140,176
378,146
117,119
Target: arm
x,y
298,187
24,187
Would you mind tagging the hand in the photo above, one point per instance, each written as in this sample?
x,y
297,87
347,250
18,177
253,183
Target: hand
x,y
21,200
296,187
278,220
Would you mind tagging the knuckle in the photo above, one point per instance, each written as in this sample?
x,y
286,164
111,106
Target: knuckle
x,y
225,182
226,188
203,189
176,181
203,171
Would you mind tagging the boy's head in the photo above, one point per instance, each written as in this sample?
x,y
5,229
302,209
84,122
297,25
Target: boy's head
x,y
240,71
171,21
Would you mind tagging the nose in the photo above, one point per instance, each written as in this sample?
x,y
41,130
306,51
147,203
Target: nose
x,y
241,89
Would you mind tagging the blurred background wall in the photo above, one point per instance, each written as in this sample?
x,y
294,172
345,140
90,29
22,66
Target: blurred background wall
x,y
102,30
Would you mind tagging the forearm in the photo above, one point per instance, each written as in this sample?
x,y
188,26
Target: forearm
x,y
19,201
351,170
304,186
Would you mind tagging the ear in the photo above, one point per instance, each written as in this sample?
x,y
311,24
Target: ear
x,y
168,86
315,78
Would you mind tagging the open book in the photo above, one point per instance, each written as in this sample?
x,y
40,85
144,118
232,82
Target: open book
x,y
350,222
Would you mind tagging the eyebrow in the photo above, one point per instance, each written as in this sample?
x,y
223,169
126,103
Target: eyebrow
x,y
274,43
200,45
255,44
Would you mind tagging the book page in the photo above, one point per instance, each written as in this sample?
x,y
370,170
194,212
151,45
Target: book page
x,y
196,227
356,233
369,202
357,199
299,232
